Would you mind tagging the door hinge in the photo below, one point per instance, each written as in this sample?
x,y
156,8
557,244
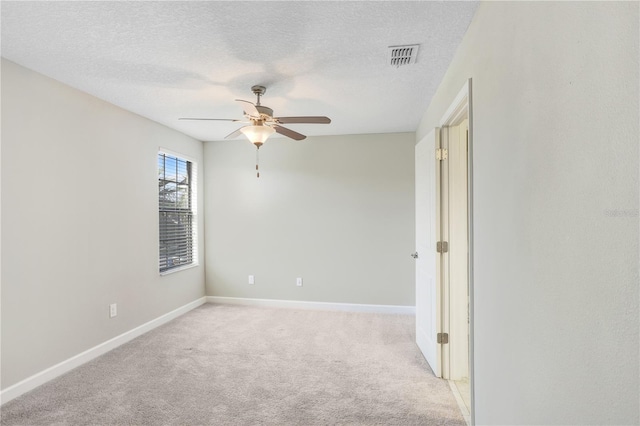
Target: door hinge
x,y
442,247
443,338
442,154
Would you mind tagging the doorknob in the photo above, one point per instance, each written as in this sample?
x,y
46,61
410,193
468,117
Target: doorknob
x,y
414,255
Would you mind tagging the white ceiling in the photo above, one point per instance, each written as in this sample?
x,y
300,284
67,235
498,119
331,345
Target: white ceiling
x,y
165,60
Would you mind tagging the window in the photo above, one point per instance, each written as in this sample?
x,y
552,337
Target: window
x,y
177,208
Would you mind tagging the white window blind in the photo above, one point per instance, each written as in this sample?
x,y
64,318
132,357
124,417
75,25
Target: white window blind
x,y
176,202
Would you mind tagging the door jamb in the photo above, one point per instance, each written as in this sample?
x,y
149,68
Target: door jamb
x,y
460,105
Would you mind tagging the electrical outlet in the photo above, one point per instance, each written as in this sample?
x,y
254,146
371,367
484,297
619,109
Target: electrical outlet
x,y
113,310
299,282
252,279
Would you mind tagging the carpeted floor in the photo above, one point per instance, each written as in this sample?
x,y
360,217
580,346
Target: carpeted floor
x,y
235,365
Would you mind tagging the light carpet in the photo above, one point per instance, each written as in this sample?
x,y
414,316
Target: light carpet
x,y
238,365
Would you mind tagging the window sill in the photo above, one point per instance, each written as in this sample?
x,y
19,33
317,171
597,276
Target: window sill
x,y
182,268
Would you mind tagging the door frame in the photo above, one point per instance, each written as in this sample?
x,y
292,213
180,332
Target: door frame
x,y
461,105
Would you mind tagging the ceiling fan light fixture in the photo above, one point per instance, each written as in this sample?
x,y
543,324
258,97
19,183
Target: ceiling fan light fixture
x,y
257,135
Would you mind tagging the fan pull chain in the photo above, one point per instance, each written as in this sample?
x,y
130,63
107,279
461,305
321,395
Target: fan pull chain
x,y
257,161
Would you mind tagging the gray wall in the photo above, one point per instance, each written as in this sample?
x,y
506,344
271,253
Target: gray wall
x,y
337,211
555,110
79,223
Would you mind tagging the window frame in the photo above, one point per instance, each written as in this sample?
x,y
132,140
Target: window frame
x,y
193,209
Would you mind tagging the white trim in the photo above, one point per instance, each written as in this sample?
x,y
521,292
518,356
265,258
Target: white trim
x,y
472,297
59,369
323,306
460,99
465,96
463,408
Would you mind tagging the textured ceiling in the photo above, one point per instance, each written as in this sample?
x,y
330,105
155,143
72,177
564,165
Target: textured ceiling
x,y
165,60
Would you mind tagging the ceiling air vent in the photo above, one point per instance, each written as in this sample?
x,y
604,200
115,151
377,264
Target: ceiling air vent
x,y
403,55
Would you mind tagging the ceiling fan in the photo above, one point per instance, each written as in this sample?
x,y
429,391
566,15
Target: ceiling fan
x,y
262,123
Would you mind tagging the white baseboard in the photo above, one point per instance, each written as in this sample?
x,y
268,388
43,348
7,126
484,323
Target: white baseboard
x,y
323,306
59,369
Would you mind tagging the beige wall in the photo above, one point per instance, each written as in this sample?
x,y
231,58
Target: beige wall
x,y
79,222
555,136
337,211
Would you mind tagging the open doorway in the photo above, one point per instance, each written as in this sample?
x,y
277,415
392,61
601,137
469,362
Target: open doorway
x,y
444,290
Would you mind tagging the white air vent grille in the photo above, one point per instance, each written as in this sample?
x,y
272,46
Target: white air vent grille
x,y
403,55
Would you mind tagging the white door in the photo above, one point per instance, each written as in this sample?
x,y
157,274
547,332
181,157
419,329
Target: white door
x,y
427,286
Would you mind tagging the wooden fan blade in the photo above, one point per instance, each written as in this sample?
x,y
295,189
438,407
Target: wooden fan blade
x,y
208,119
249,108
310,120
289,133
234,134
